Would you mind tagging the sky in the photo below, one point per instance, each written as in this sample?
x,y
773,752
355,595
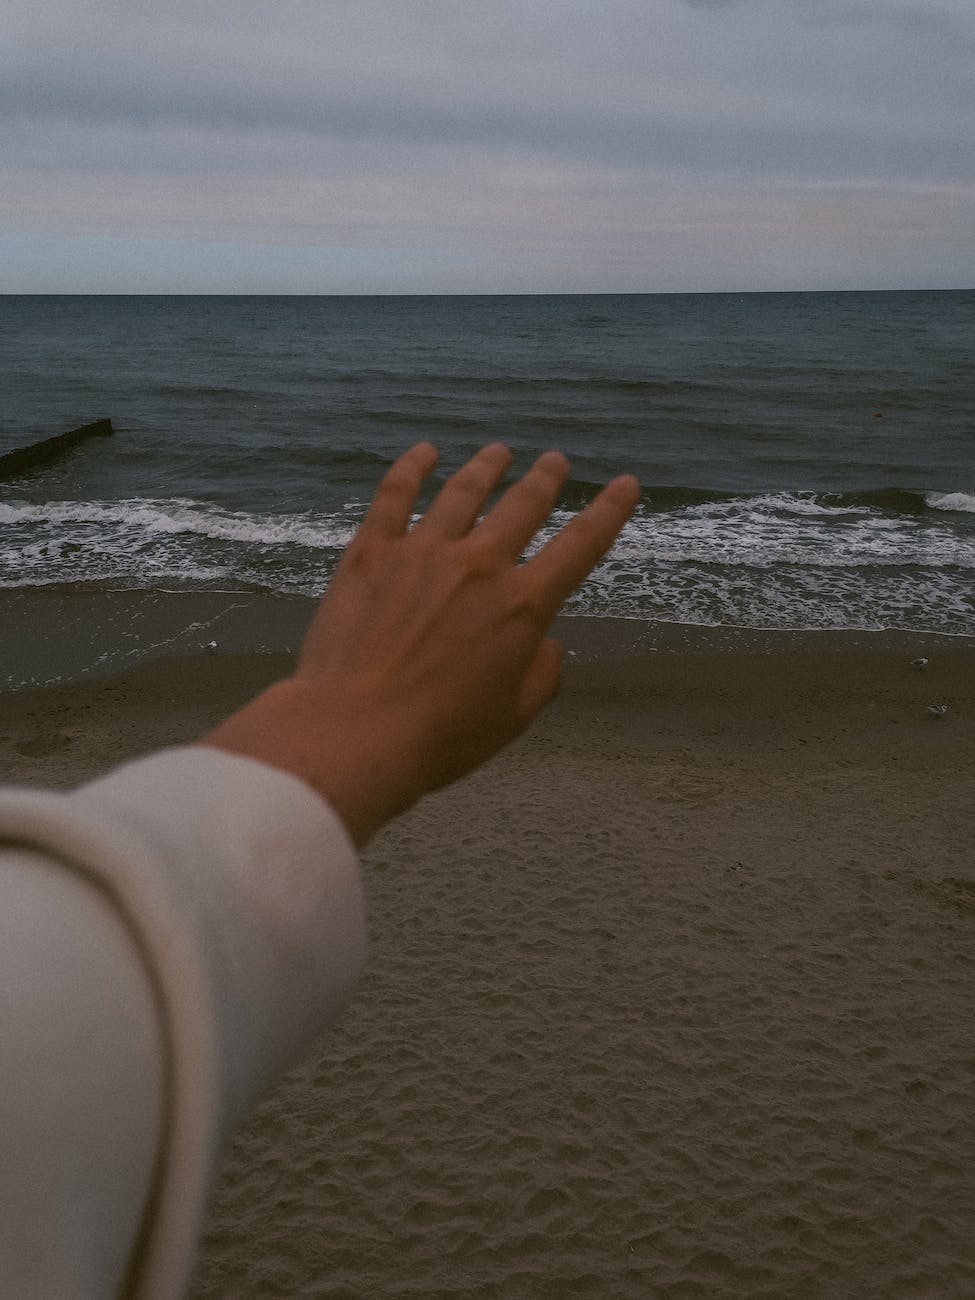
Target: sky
x,y
503,146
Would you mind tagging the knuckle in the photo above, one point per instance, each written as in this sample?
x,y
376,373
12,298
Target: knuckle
x,y
527,596
423,543
359,557
483,555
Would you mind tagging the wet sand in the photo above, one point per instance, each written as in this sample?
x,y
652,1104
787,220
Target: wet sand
x,y
675,998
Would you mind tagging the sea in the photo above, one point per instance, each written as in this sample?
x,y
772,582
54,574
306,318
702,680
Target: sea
x,y
807,460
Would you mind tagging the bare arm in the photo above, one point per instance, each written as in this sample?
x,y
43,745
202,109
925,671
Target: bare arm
x,y
430,649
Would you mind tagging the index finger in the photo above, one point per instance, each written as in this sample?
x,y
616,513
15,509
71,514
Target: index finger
x,y
567,559
392,506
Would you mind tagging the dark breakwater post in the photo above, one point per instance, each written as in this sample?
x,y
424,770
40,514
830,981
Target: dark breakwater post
x,y
25,458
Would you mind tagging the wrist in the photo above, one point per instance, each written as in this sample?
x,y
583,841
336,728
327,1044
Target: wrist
x,y
290,726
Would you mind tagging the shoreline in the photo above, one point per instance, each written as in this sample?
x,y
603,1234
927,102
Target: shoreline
x,y
75,634
678,680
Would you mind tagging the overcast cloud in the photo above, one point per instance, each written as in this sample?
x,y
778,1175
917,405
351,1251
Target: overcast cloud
x,y
525,145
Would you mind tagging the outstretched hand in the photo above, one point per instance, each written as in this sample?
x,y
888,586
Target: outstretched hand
x,y
429,651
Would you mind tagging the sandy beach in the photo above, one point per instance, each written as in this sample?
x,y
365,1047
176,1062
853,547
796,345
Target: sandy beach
x,y
675,998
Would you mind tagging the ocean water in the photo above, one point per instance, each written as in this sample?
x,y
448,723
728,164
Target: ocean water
x,y
807,460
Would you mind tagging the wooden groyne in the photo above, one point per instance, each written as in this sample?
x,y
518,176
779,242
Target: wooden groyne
x,y
25,458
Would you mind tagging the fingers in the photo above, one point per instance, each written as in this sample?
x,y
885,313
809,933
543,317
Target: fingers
x,y
526,505
562,563
462,497
559,567
392,506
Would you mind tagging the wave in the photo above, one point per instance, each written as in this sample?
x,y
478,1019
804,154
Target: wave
x,y
889,517
317,528
883,500
688,555
154,517
578,492
962,502
208,391
442,381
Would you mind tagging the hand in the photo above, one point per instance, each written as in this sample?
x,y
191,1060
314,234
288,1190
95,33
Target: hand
x,y
429,650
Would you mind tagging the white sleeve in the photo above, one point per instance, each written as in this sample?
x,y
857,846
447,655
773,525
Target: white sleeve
x,y
231,893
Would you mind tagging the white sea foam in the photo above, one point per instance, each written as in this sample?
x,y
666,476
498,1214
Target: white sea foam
x,y
755,533
743,563
961,501
786,597
773,560
151,516
148,541
789,503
